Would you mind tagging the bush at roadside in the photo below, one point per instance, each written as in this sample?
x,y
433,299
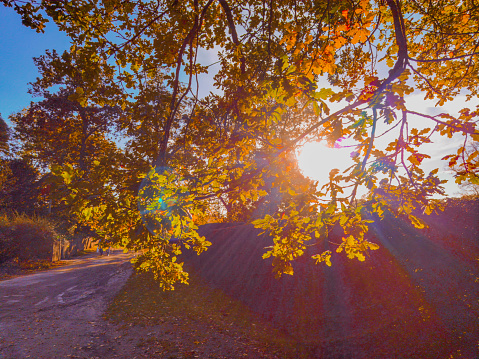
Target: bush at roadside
x,y
26,238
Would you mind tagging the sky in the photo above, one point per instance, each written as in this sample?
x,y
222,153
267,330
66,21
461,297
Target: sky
x,y
314,158
19,44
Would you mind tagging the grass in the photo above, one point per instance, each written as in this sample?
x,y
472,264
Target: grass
x,y
85,252
16,267
195,309
39,265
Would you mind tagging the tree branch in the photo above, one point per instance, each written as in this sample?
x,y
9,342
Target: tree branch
x,y
444,58
457,128
232,28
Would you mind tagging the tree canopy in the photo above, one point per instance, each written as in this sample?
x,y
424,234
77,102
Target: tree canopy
x,y
4,136
139,155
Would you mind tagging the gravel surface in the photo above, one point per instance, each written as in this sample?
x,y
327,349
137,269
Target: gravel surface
x,y
57,313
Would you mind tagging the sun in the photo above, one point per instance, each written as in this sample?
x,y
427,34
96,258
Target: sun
x,y
316,160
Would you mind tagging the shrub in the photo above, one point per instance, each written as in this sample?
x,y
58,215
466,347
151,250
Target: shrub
x,y
26,238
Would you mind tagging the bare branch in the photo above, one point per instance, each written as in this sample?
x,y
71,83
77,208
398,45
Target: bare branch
x,y
444,58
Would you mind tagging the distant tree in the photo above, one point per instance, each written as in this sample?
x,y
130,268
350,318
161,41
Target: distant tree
x,y
19,191
4,137
4,150
64,128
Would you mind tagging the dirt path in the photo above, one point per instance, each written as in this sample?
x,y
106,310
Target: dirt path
x,y
57,313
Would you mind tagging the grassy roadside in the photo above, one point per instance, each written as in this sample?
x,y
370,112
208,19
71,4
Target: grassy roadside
x,y
15,267
199,313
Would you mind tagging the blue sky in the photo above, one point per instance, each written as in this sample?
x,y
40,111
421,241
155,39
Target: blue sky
x,y
18,46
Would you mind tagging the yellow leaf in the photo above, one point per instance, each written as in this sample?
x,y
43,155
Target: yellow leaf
x,y
288,269
333,172
360,35
416,222
290,41
350,241
413,159
339,41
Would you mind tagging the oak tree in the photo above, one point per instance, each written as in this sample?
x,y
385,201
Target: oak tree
x,y
282,67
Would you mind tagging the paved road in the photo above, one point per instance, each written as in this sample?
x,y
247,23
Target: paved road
x,y
57,313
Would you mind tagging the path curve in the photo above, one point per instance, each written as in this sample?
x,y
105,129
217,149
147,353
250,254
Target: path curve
x,y
57,313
